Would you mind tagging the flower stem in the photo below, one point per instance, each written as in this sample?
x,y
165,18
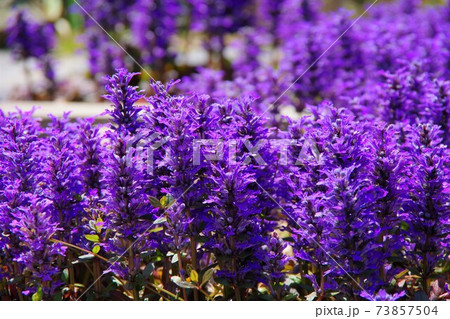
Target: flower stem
x,y
193,250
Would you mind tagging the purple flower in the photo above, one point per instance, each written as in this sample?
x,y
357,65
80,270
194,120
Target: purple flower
x,y
302,53
234,235
382,295
123,97
34,227
332,200
90,160
109,15
274,262
153,23
105,57
29,39
21,173
219,17
61,176
389,177
428,209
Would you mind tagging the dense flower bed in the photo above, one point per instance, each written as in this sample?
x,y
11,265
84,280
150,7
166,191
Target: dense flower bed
x,y
203,190
184,197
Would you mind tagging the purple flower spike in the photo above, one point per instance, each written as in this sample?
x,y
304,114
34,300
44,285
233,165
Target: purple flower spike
x,y
123,97
34,227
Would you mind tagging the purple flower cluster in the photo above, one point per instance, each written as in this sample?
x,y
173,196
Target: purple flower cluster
x,y
379,63
152,25
30,39
427,211
194,187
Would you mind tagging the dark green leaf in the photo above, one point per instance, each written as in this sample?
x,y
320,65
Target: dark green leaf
x,y
65,275
114,259
154,202
207,276
148,270
57,296
222,281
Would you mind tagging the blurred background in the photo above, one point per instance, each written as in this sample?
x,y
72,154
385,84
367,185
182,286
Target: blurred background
x,y
52,50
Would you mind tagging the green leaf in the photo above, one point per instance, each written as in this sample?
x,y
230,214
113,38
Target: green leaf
x,y
154,202
163,201
222,281
167,201
290,297
84,257
96,249
160,220
148,270
65,275
404,225
401,274
207,276
194,276
38,295
155,230
183,284
93,238
140,281
188,269
170,199
57,296
267,297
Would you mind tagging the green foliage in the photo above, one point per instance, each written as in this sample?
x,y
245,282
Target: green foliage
x,y
38,295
